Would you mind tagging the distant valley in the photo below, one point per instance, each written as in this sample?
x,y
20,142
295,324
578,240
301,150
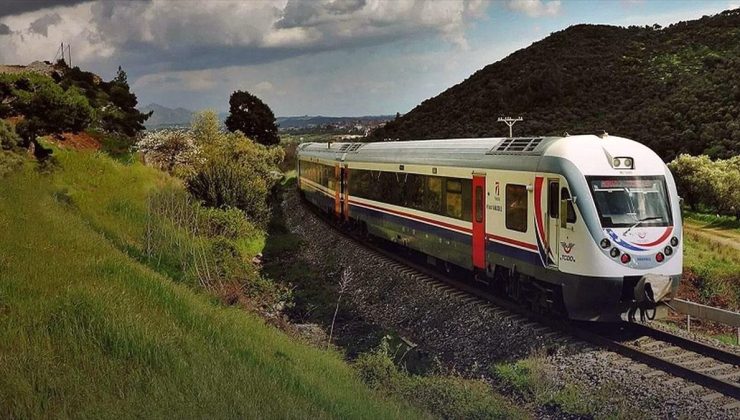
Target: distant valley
x,y
164,117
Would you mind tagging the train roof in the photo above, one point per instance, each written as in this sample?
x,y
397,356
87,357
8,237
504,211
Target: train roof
x,y
516,153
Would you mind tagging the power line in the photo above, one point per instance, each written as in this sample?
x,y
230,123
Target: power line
x,y
510,122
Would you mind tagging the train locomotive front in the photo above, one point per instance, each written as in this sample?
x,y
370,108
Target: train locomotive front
x,y
586,226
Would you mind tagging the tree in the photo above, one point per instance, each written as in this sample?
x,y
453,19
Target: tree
x,y
122,117
251,116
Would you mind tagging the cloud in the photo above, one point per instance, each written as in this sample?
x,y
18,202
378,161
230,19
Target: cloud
x,y
535,8
5,29
17,7
41,25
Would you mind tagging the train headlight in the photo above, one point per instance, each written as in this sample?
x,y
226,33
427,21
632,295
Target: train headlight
x,y
674,241
628,163
617,162
659,257
605,243
625,258
668,250
614,252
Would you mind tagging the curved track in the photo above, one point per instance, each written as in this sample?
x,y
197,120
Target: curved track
x,y
705,366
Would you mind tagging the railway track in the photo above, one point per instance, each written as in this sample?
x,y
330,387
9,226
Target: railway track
x,y
712,371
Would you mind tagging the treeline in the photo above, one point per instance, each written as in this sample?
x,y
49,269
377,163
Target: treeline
x,y
708,185
674,89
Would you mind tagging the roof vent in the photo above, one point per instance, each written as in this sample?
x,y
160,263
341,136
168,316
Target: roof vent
x,y
516,145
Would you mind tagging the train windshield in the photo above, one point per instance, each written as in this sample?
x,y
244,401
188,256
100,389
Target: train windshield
x,y
631,201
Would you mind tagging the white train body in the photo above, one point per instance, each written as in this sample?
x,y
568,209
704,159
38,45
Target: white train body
x,y
591,219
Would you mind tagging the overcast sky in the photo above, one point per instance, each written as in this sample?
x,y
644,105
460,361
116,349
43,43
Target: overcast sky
x,y
328,57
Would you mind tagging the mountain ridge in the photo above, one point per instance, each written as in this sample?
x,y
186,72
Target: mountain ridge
x,y
672,88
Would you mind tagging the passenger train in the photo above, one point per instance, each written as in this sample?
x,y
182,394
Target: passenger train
x,y
585,226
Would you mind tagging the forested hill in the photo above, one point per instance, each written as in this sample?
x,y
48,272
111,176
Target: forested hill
x,y
676,89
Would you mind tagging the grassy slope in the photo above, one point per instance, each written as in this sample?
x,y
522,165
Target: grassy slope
x,y
86,330
715,264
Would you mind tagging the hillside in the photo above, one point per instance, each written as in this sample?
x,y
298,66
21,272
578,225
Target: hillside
x,y
90,327
163,116
675,89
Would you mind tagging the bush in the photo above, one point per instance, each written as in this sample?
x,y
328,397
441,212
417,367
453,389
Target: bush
x,y
228,222
173,151
710,184
8,138
225,183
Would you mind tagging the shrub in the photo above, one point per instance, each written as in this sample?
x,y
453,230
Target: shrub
x,y
228,222
712,184
8,138
173,151
225,183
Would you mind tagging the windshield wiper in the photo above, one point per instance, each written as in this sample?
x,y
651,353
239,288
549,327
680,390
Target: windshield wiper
x,y
640,222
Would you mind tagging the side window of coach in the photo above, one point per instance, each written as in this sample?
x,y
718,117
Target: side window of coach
x,y
516,207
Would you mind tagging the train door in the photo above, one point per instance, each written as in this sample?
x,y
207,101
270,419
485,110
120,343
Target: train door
x,y
344,192
337,192
479,222
553,220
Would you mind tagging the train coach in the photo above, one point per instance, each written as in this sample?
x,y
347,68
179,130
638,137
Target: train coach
x,y
585,226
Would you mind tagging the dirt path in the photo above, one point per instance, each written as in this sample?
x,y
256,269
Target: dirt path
x,y
725,237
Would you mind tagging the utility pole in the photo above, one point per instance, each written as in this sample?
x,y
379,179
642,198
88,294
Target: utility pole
x,y
510,122
69,54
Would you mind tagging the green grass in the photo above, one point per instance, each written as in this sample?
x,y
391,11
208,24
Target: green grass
x,y
88,331
712,220
447,396
529,379
717,268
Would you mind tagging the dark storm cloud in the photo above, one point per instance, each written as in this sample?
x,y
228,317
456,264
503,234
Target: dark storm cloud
x,y
41,25
16,7
4,29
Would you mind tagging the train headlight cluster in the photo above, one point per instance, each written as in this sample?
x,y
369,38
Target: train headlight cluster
x,y
605,243
623,163
614,252
674,241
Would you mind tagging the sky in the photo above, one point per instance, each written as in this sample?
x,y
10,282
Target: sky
x,y
305,57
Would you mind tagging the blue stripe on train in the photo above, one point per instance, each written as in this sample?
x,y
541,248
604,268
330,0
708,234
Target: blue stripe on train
x,y
513,252
495,247
413,224
320,200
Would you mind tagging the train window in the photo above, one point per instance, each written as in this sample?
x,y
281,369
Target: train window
x,y
433,195
413,191
479,204
453,199
516,207
467,199
565,195
553,204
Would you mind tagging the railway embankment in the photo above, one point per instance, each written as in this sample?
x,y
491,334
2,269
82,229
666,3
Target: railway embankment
x,y
553,374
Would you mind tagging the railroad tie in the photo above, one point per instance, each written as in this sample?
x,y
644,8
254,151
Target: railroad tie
x,y
697,361
691,388
711,397
673,381
734,374
713,368
732,405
